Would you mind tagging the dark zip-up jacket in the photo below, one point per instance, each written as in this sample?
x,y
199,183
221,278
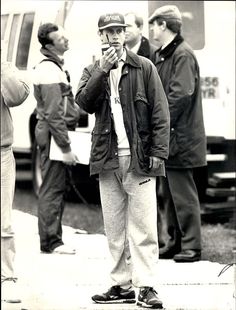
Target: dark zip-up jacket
x,y
145,112
147,49
179,72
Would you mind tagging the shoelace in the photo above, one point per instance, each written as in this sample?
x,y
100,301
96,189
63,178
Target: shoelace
x,y
148,289
116,290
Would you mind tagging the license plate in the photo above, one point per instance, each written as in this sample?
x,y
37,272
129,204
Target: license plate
x,y
210,87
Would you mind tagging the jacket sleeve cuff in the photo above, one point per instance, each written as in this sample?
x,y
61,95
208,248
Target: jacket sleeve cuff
x,y
66,149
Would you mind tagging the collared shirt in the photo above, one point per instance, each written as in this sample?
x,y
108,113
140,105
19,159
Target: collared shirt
x,y
167,43
115,75
135,48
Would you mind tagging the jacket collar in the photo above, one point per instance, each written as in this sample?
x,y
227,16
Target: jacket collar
x,y
52,56
170,48
144,49
132,59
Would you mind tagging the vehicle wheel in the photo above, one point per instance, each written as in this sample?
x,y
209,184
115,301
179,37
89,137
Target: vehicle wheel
x,y
36,170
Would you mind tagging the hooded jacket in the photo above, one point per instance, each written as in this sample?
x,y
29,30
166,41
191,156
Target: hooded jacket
x,y
179,72
145,114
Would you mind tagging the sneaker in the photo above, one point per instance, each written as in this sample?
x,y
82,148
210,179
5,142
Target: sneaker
x,y
9,291
147,298
115,295
64,249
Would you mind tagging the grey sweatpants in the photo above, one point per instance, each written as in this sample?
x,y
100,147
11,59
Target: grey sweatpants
x,y
130,219
8,173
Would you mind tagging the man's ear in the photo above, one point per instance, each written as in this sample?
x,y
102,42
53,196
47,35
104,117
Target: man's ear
x,y
163,25
49,46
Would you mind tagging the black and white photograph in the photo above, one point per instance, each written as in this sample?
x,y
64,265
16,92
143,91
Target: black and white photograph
x,y
118,171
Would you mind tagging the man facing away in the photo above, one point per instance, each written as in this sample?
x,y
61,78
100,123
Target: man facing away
x,y
177,193
134,40
14,91
56,114
129,144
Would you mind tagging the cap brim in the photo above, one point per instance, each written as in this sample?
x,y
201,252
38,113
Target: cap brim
x,y
112,25
153,17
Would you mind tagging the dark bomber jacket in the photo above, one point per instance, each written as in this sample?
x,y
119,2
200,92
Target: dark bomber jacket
x,y
145,112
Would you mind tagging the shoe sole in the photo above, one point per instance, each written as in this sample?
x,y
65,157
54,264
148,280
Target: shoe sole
x,y
142,304
12,301
187,260
119,301
63,253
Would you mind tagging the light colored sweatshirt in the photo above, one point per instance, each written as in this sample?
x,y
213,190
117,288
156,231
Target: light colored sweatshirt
x,y
14,91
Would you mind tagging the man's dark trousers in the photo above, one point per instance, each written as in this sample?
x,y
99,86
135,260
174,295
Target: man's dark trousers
x,y
178,198
51,202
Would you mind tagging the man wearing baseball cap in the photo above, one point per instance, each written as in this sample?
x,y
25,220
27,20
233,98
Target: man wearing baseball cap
x,y
177,194
129,144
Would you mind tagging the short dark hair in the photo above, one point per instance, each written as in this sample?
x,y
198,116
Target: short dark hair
x,y
173,25
137,19
44,31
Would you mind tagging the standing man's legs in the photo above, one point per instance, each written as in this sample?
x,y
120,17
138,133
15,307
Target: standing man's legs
x,y
7,195
120,190
167,223
51,202
8,173
142,223
114,202
185,197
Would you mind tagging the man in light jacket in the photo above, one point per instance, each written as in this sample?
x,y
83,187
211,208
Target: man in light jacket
x,y
14,91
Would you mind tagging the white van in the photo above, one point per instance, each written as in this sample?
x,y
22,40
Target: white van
x,y
209,27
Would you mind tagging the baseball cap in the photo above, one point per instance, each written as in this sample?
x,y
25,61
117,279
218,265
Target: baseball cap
x,y
166,12
111,20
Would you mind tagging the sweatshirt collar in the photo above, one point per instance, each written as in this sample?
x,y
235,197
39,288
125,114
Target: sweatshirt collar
x,y
52,56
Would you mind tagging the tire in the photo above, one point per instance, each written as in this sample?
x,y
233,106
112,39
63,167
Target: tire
x,y
36,170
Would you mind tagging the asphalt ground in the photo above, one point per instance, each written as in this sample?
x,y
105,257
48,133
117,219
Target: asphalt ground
x,y
67,282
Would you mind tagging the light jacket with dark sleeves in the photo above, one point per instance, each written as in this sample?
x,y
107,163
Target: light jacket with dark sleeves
x,y
56,109
145,113
179,72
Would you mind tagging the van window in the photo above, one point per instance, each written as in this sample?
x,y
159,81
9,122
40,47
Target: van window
x,y
24,41
4,19
12,38
193,29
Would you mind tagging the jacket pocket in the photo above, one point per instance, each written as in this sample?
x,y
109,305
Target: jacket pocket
x,y
142,164
101,136
142,111
173,148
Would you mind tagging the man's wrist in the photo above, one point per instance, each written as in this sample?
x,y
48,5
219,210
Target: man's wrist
x,y
105,71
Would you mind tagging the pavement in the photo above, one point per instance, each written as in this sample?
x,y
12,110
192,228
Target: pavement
x,y
67,282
